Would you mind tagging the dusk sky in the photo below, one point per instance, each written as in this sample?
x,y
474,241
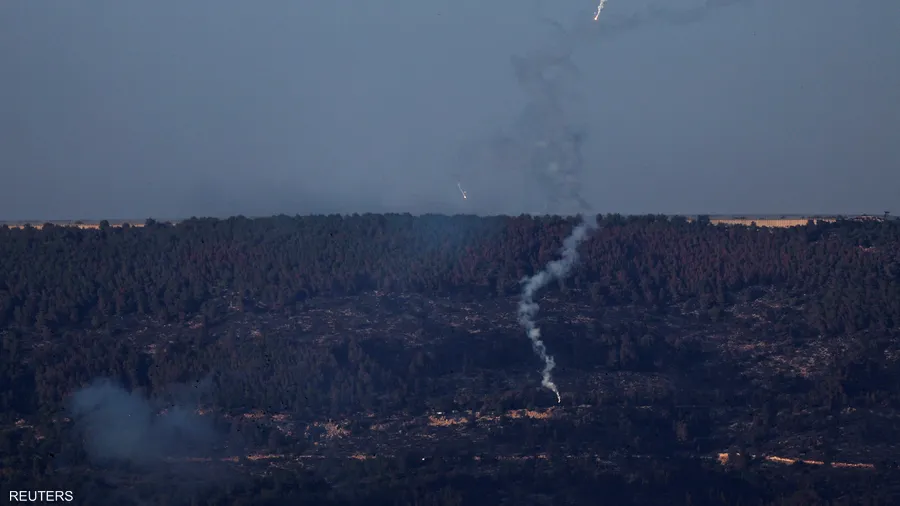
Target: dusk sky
x,y
127,109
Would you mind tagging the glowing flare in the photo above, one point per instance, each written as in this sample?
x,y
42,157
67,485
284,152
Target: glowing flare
x,y
599,9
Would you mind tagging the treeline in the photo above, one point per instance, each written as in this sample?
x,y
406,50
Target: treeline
x,y
61,276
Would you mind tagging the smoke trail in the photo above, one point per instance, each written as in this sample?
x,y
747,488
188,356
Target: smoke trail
x,y
555,153
528,308
544,142
611,25
668,16
599,9
551,145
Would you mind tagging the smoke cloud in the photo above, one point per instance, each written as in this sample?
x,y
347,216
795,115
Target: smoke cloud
x,y
540,153
611,23
666,15
122,426
543,145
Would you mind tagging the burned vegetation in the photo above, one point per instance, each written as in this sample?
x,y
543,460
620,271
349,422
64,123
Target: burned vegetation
x,y
378,360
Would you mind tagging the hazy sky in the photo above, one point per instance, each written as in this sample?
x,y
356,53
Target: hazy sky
x,y
126,108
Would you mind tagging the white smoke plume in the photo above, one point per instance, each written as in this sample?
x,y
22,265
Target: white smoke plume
x,y
599,9
122,426
528,308
561,152
559,143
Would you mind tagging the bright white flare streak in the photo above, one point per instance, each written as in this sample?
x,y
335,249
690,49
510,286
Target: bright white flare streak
x,y
557,269
599,9
462,191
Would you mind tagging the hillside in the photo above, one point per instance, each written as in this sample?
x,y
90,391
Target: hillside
x,y
377,360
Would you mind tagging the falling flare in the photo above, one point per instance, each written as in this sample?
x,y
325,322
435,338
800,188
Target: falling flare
x,y
599,9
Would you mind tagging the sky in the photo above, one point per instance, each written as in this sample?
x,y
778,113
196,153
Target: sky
x,y
171,109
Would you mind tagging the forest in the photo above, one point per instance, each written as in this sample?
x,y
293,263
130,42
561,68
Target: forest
x,y
376,359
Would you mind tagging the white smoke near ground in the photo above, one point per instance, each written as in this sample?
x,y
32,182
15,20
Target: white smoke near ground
x,y
122,426
124,431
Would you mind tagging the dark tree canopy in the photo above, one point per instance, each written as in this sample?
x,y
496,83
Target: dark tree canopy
x,y
63,276
362,319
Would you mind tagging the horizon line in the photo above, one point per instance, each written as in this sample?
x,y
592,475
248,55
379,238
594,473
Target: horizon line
x,y
745,216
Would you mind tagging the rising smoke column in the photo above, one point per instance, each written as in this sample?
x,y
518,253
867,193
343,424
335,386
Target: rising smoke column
x,y
528,308
559,150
